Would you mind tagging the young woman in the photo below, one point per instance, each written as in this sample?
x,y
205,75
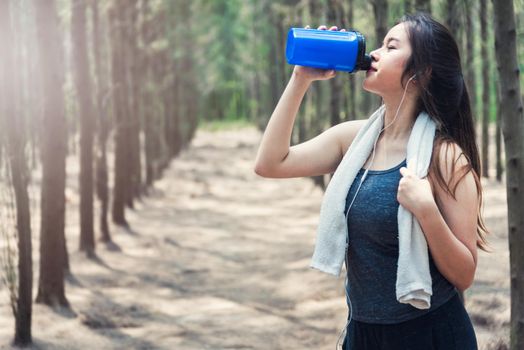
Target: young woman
x,y
416,69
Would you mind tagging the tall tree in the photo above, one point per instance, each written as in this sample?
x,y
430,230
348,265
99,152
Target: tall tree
x,y
381,12
53,250
513,129
408,6
274,72
380,9
485,87
190,122
12,122
453,12
132,92
423,5
470,12
85,101
120,112
256,39
352,101
147,37
102,188
334,18
498,140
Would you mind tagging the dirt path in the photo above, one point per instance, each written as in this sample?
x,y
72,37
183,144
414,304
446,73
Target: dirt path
x,y
218,258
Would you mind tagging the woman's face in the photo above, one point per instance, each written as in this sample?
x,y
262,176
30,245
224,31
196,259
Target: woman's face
x,y
388,63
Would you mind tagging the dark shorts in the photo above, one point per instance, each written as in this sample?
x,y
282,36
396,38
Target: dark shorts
x,y
448,327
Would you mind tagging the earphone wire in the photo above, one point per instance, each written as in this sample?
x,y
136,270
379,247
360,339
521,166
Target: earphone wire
x,y
348,300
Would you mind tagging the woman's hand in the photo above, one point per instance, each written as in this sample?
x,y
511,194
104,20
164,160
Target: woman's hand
x,y
311,74
414,194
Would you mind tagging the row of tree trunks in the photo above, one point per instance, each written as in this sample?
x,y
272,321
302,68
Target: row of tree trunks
x,y
164,100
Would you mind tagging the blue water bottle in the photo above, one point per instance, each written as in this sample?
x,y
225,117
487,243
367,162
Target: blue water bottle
x,y
327,49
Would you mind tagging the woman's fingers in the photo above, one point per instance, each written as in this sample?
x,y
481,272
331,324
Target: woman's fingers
x,y
329,74
323,27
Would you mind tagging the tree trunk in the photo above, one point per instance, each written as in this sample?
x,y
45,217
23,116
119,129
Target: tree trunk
x,y
102,188
513,129
84,90
192,101
315,100
135,81
281,54
125,9
498,140
11,121
380,9
334,18
485,87
408,6
274,76
258,103
121,178
453,18
352,110
423,5
470,54
147,100
53,250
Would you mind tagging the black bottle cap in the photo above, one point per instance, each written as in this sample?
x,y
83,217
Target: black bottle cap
x,y
363,59
365,64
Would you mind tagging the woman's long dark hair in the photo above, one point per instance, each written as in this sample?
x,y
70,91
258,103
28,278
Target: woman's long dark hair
x,y
444,96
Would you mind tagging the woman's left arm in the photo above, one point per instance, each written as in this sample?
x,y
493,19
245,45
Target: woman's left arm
x,y
449,224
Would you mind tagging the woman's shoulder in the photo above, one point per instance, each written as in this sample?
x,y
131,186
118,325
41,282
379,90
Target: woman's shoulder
x,y
449,165
347,131
449,155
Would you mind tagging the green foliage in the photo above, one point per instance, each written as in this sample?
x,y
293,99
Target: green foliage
x,y
239,59
220,125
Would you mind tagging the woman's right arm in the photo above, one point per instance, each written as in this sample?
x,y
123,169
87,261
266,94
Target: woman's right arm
x,y
275,158
317,156
321,154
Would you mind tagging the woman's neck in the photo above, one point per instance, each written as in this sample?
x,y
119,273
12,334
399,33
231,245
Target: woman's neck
x,y
401,127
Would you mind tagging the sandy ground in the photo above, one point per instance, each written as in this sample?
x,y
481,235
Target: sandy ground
x,y
217,258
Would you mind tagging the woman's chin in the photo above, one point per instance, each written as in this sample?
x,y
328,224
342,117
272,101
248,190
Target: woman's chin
x,y
368,86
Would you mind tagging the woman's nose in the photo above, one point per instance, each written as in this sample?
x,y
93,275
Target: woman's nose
x,y
374,55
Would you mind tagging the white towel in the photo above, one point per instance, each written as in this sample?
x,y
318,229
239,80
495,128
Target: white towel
x,y
414,284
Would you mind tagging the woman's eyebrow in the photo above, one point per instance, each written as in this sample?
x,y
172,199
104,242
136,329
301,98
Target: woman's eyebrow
x,y
391,39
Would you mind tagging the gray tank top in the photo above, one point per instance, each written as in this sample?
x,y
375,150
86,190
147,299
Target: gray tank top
x,y
373,252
